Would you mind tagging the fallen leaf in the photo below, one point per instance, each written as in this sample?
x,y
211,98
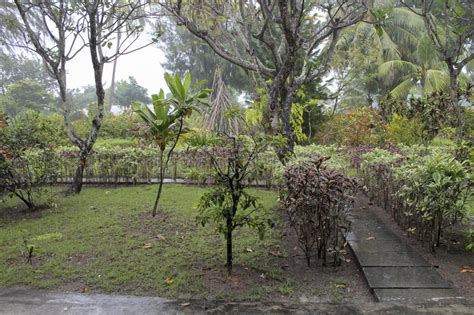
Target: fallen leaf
x,y
147,245
161,237
185,304
275,253
345,244
249,250
284,266
341,285
370,238
169,281
85,290
466,269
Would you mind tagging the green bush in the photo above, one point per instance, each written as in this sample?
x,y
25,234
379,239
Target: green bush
x,y
405,130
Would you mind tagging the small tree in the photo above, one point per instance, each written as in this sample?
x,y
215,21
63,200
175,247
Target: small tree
x,y
228,204
166,120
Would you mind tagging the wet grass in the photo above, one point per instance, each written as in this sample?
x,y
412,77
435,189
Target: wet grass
x,y
105,240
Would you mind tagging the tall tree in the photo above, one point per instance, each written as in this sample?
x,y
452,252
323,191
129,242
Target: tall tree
x,y
450,26
25,94
56,31
300,37
186,52
130,91
15,67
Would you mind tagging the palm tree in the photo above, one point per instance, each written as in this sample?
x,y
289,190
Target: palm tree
x,y
423,71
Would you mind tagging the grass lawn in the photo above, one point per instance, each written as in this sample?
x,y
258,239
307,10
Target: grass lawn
x,y
105,240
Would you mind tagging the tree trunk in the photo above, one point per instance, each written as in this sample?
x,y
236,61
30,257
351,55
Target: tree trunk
x,y
155,207
229,246
114,70
454,95
76,185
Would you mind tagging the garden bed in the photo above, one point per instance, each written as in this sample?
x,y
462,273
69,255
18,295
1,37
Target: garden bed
x,y
105,240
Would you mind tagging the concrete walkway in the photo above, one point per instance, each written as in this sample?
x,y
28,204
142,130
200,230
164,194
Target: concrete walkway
x,y
392,269
24,301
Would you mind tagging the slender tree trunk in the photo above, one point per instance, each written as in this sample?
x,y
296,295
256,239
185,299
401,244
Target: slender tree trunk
x,y
155,207
114,70
454,95
229,246
76,186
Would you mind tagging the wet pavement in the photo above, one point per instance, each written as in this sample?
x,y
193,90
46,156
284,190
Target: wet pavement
x,y
25,301
394,271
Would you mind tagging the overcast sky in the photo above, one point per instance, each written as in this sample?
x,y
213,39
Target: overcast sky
x,y
144,65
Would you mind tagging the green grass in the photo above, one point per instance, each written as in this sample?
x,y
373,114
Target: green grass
x,y
95,240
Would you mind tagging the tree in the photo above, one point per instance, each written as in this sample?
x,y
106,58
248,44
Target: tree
x,y
14,68
450,27
220,118
130,91
166,120
299,36
186,52
63,26
425,72
25,94
228,204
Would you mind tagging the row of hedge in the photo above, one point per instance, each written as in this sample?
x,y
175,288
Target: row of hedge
x,y
424,188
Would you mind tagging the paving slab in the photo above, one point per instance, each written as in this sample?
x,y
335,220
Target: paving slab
x,y
379,246
404,278
418,295
392,259
364,233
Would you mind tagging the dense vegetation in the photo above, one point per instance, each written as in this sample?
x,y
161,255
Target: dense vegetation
x,y
318,100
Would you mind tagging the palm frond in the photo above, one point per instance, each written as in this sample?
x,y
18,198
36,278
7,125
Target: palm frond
x,y
389,68
436,81
403,89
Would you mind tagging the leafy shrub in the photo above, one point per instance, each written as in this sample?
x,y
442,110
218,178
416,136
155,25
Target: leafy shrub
x,y
404,130
25,175
433,191
318,201
424,188
358,127
27,161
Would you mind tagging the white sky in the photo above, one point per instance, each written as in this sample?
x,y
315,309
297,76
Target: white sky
x,y
144,65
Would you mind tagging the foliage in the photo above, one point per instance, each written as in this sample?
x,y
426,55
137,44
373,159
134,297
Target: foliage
x,y
34,129
14,68
27,158
24,94
424,189
228,204
404,130
183,52
24,172
127,92
318,201
357,127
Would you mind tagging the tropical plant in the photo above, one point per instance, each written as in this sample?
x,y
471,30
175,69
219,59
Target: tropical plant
x,y
165,121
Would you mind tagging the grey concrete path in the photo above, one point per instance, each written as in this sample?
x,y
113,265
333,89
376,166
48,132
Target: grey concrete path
x,y
392,269
23,301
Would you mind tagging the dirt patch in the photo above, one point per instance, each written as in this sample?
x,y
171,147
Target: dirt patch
x,y
242,278
450,262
